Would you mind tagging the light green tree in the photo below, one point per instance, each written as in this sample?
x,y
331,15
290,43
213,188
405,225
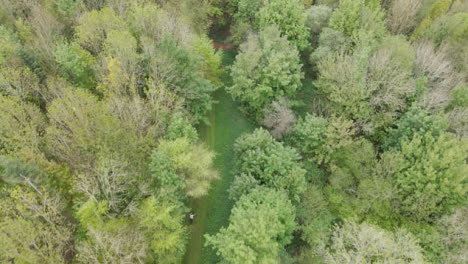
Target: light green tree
x,y
153,233
266,69
33,228
289,17
261,223
318,138
194,161
122,46
369,87
361,21
210,64
271,163
22,125
432,176
95,25
317,19
76,64
176,67
365,243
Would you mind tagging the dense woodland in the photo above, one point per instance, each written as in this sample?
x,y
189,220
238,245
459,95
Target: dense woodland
x,y
359,155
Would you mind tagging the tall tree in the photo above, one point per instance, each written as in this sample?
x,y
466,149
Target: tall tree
x,y
261,223
266,69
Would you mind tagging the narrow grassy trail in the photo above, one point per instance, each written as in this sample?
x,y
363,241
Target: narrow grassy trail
x,y
212,212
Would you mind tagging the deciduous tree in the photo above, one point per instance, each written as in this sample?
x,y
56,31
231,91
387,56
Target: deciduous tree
x,y
261,223
266,69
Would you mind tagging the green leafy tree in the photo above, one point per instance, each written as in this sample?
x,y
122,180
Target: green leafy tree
x,y
365,243
330,41
9,45
81,128
271,163
76,64
180,127
460,96
289,17
22,125
175,67
437,9
154,233
432,175
33,228
266,69
211,60
194,161
315,220
170,183
450,32
162,224
122,46
359,20
318,138
14,171
317,19
21,82
261,223
95,25
367,87
414,121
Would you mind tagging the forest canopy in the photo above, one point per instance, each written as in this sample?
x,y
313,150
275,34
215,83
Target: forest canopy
x,y
234,131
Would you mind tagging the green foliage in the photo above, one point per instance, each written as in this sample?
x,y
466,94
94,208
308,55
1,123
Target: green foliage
x,y
163,227
347,17
454,228
81,128
415,121
210,64
247,9
289,17
310,135
170,184
181,73
460,96
20,82
22,124
266,69
438,8
359,20
9,46
432,176
365,243
318,138
95,25
180,127
70,8
317,18
194,161
32,227
261,223
122,46
154,234
450,32
330,41
76,64
369,87
271,163
14,171
315,219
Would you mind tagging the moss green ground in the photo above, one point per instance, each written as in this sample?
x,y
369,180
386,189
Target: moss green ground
x,y
212,212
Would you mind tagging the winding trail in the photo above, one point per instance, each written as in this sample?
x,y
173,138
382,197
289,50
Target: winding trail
x,y
212,212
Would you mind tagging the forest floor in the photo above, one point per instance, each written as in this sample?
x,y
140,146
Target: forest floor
x,y
212,212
